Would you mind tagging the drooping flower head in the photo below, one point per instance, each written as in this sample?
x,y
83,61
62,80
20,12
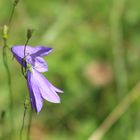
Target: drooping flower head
x,y
33,56
39,87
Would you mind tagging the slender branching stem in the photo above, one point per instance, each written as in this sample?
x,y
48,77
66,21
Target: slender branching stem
x,y
12,12
24,64
5,34
24,71
5,62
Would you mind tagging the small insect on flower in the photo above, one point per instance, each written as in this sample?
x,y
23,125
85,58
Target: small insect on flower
x,y
39,87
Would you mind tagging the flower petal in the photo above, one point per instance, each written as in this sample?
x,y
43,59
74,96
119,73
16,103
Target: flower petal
x,y
32,98
18,52
41,51
47,90
55,88
33,56
35,94
33,51
39,64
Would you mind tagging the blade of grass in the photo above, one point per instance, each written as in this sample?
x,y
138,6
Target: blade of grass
x,y
116,113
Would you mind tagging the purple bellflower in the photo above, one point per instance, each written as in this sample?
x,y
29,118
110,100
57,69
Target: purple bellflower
x,y
39,87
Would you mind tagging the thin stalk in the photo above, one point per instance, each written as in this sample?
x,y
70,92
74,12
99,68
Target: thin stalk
x,y
23,69
5,62
24,64
9,85
25,46
23,122
12,12
29,124
2,122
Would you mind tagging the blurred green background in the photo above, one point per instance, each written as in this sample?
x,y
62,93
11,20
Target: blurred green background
x,y
95,62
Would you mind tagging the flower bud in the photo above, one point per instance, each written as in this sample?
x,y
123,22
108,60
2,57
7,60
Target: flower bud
x,y
29,33
16,2
5,32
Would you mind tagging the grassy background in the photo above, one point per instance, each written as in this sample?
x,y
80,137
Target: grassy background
x,y
95,61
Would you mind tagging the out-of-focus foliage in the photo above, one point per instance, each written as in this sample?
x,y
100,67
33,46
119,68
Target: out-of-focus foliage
x,y
81,64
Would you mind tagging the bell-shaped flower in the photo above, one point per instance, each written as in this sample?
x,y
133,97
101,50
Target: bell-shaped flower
x,y
33,56
39,87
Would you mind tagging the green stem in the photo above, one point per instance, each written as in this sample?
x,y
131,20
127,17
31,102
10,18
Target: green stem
x,y
9,85
5,62
29,124
23,121
24,69
2,122
12,12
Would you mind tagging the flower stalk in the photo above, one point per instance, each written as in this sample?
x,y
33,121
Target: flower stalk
x,y
5,62
26,104
24,69
29,124
5,32
12,12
